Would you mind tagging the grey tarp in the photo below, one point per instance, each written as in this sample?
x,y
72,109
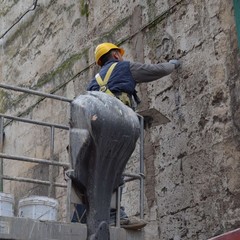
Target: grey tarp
x,y
103,136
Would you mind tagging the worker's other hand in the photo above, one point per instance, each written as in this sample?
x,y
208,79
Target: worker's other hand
x,y
176,62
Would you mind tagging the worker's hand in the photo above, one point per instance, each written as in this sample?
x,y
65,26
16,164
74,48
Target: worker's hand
x,y
176,62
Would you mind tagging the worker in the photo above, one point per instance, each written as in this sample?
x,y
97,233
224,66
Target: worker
x,y
118,77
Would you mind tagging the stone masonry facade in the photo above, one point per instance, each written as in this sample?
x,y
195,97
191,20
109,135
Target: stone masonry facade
x,y
192,167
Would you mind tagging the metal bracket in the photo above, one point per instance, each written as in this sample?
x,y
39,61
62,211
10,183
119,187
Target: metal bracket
x,y
152,117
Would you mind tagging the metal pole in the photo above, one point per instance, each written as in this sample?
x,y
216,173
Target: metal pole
x,y
69,180
33,160
118,196
1,149
25,120
51,168
25,90
30,180
141,167
68,200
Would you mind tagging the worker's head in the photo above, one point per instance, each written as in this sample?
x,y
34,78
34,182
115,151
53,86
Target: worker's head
x,y
106,51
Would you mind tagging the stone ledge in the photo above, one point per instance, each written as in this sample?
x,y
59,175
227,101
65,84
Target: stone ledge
x,y
14,228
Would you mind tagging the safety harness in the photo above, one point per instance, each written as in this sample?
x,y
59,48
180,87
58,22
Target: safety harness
x,y
124,97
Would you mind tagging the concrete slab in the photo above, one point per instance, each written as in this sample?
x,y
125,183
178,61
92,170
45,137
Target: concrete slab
x,y
14,228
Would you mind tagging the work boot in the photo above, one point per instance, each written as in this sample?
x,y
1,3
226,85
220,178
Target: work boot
x,y
123,217
134,223
79,215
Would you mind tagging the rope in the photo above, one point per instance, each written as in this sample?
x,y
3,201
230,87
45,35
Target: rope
x,y
32,8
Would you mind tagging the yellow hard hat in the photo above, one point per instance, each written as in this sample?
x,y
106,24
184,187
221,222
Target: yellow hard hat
x,y
104,48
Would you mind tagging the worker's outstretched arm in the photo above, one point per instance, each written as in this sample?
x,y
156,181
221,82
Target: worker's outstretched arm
x,y
150,72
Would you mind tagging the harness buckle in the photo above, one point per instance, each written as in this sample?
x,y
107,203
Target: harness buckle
x,y
125,98
103,88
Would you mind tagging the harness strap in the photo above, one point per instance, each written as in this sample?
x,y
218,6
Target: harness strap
x,y
124,97
103,83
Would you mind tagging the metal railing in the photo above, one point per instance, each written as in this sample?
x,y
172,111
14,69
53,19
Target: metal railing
x,y
140,176
51,162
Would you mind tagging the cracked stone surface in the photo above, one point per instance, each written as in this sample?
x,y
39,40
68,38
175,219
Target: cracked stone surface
x,y
192,162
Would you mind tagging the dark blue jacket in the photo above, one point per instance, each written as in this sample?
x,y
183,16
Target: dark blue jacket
x,y
121,79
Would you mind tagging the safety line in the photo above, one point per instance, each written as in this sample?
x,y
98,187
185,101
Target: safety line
x,y
32,8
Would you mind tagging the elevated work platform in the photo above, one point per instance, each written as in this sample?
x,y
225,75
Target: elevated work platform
x,y
14,228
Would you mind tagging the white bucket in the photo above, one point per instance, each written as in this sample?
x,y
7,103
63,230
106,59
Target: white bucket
x,y
37,207
6,204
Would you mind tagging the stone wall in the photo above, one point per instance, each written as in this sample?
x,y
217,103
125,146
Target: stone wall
x,y
192,162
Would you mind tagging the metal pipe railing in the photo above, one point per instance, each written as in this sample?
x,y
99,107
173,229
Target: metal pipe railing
x,y
1,149
68,199
34,92
51,168
51,162
20,119
118,196
141,167
132,177
33,160
30,180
